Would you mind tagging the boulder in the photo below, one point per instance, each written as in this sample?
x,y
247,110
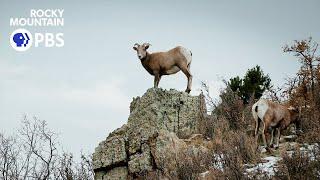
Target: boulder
x,y
153,136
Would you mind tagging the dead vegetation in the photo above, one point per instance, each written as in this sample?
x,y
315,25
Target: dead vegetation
x,y
230,132
299,165
34,153
232,123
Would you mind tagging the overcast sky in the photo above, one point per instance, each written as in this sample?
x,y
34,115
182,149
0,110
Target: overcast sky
x,y
83,89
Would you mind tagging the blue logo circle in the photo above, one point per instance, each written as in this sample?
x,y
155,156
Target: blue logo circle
x,y
21,40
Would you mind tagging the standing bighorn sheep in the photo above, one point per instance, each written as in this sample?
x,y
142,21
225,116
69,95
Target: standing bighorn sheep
x,y
165,63
273,116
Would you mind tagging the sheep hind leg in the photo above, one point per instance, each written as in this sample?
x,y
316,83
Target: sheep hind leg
x,y
272,138
256,131
257,121
264,132
278,138
186,71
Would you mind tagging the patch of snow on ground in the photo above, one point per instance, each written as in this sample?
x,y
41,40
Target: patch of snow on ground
x,y
266,167
269,163
309,150
218,161
310,147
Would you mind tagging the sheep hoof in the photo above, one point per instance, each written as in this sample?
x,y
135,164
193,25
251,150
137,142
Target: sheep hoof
x,y
188,91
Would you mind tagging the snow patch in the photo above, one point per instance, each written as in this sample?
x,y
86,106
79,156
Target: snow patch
x,y
267,166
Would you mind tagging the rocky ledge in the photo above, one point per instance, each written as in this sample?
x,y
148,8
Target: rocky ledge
x,y
161,124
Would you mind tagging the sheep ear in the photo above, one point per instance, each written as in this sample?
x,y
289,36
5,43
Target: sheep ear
x,y
135,46
146,45
293,109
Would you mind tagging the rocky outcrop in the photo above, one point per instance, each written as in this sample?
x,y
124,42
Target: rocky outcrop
x,y
159,122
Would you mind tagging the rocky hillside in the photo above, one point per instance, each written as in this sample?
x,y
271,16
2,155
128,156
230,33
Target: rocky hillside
x,y
164,139
161,125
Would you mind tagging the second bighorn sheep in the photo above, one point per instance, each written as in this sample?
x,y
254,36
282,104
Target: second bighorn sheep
x,y
273,116
165,63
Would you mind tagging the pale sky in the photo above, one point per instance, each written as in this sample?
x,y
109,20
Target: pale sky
x,y
83,89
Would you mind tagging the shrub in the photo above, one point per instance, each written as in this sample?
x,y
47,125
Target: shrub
x,y
300,165
230,108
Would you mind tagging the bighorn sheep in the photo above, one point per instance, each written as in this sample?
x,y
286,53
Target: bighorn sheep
x,y
165,63
273,116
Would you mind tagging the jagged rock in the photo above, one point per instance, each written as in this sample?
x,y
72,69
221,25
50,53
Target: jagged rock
x,y
171,110
165,150
152,137
110,152
141,162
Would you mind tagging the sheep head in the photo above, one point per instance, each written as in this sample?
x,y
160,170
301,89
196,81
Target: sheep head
x,y
295,114
141,50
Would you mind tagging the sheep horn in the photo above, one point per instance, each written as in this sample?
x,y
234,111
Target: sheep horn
x,y
136,45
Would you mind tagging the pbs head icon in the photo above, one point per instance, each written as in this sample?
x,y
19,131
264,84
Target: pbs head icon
x,y
21,40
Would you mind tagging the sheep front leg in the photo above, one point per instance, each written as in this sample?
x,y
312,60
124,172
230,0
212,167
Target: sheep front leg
x,y
157,78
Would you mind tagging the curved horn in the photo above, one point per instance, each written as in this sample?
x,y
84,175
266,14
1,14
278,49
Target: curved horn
x,y
136,45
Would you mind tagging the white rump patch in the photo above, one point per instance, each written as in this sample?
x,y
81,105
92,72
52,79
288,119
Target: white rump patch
x,y
262,108
186,54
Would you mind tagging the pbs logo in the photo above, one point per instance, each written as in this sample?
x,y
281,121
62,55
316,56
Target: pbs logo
x,y
21,40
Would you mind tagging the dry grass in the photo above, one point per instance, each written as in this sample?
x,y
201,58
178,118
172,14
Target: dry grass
x,y
235,148
191,164
310,125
